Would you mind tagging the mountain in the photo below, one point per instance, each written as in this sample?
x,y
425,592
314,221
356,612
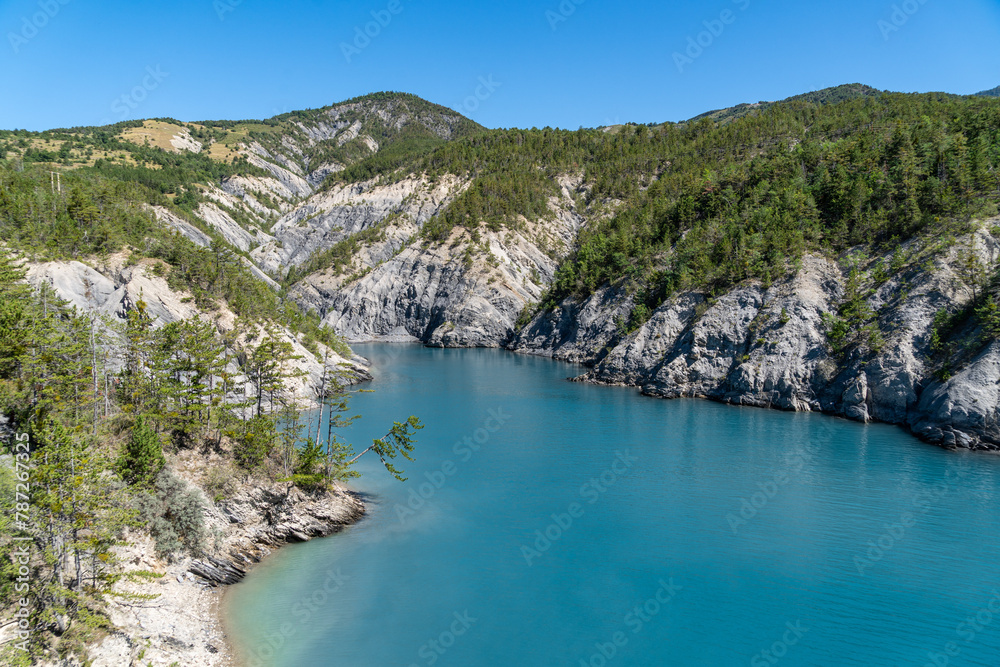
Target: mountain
x,y
843,93
388,217
995,92
834,252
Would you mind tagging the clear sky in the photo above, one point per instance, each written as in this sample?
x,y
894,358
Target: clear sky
x,y
560,63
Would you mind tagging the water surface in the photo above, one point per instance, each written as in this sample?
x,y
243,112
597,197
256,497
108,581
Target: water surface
x,y
567,524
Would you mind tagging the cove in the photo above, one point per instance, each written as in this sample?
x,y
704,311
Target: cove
x,y
554,523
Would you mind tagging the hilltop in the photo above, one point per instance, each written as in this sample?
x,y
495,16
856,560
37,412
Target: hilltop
x,y
844,93
836,251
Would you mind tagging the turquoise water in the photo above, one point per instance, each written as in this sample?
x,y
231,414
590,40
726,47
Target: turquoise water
x,y
678,533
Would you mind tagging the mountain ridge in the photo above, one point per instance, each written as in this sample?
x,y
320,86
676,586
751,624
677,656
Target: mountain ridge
x,y
389,217
832,95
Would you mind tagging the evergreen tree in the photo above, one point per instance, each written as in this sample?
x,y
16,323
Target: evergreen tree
x,y
254,442
141,458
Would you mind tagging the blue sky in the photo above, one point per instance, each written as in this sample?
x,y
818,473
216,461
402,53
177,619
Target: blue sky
x,y
548,63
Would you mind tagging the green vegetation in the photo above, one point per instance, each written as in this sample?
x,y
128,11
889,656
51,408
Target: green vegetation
x,y
855,323
98,215
708,204
172,512
99,436
834,95
339,257
141,459
956,337
750,197
733,195
421,126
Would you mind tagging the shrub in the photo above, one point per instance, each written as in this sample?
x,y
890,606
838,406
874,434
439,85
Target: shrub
x,y
309,467
255,443
220,482
172,511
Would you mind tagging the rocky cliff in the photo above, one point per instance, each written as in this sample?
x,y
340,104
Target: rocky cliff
x,y
111,288
331,205
768,346
467,291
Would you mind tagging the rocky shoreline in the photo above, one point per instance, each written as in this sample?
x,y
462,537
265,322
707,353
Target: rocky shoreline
x,y
755,343
183,624
768,345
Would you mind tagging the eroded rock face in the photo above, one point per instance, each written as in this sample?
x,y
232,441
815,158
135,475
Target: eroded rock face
x,y
576,332
330,217
230,230
432,294
769,348
78,284
116,289
275,515
464,292
181,226
965,410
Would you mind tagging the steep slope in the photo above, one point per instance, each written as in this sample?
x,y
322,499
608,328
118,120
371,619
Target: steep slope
x,y
770,346
466,291
343,211
112,288
235,180
706,258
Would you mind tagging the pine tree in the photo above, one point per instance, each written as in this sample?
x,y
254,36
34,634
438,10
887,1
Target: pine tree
x,y
141,458
397,442
267,368
136,383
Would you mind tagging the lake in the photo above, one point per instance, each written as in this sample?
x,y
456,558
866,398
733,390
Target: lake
x,y
553,523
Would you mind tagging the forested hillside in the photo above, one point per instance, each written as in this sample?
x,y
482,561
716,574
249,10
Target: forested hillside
x,y
100,407
709,204
826,252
